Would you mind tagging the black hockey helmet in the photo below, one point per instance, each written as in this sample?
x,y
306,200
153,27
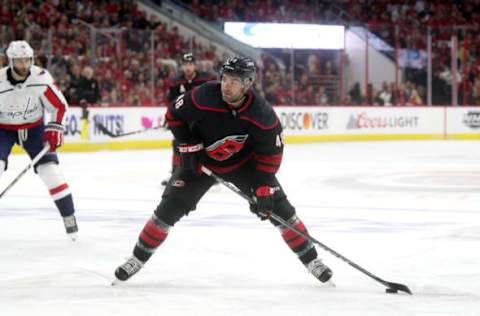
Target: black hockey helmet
x,y
188,58
242,67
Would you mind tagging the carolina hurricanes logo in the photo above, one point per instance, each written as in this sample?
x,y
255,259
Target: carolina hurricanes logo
x,y
226,147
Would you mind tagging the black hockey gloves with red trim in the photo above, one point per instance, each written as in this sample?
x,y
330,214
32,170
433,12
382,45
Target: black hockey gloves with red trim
x,y
53,135
190,157
264,205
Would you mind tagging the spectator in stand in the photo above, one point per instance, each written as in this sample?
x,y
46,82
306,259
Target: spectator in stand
x,y
303,95
109,89
321,97
88,89
73,84
328,68
370,96
385,95
414,96
161,93
271,93
313,66
355,94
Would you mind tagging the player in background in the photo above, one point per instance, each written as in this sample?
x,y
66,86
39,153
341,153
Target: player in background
x,y
25,92
236,134
185,80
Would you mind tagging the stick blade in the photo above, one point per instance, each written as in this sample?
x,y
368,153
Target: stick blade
x,y
395,287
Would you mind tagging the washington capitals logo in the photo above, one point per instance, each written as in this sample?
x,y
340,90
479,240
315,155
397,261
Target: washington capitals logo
x,y
226,147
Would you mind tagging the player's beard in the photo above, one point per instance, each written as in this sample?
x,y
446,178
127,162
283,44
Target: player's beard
x,y
21,72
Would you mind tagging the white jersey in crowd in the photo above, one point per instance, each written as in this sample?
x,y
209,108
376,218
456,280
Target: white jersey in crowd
x,y
23,105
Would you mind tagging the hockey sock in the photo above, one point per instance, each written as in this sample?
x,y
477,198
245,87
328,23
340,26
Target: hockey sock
x,y
152,236
302,247
52,177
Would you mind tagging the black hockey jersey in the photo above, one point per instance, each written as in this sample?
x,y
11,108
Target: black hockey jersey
x,y
231,136
180,84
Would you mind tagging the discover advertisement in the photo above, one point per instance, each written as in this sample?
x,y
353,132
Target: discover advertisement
x,y
93,130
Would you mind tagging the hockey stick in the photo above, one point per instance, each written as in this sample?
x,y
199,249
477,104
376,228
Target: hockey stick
x,y
105,130
391,286
39,156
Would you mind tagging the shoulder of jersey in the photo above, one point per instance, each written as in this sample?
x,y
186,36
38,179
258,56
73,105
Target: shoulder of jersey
x,y
40,75
3,74
208,97
257,111
260,113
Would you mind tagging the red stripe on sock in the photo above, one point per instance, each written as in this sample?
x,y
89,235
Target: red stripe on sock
x,y
292,238
295,243
154,231
58,189
150,241
299,225
289,234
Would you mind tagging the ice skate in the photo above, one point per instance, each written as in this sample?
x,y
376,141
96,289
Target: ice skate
x,y
126,270
319,270
71,226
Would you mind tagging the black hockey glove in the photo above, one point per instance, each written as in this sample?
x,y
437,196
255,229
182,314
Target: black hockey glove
x,y
264,205
190,157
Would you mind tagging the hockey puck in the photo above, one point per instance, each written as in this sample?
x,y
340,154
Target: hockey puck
x,y
390,290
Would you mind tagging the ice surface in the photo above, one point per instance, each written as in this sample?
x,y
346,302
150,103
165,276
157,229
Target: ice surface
x,y
409,212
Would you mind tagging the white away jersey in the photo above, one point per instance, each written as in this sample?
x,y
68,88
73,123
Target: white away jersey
x,y
22,105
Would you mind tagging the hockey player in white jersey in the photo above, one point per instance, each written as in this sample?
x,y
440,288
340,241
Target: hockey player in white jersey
x,y
26,92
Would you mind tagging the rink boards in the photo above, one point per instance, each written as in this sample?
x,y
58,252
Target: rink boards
x,y
302,124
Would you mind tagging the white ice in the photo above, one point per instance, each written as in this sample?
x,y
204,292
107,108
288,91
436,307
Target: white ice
x,y
408,212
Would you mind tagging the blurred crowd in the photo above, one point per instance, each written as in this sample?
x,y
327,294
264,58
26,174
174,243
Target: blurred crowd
x,y
401,23
131,60
108,53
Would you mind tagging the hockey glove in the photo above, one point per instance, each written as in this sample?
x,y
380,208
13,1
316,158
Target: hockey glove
x,y
264,205
190,157
53,135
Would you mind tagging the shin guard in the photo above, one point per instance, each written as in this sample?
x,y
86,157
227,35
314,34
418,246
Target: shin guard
x,y
301,246
52,177
152,236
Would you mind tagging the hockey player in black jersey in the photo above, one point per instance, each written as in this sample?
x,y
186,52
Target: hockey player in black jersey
x,y
235,133
187,79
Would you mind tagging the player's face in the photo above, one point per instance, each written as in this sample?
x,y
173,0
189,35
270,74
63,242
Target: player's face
x,y
233,88
22,66
188,69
